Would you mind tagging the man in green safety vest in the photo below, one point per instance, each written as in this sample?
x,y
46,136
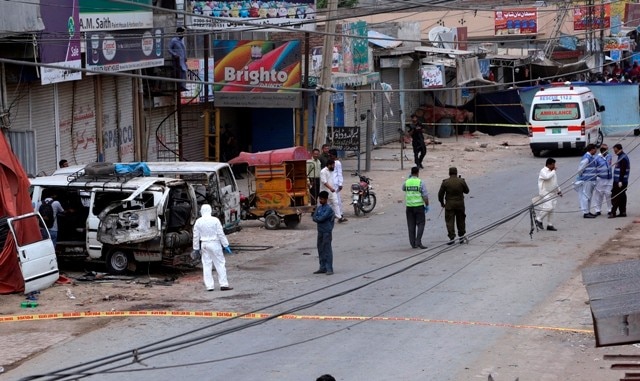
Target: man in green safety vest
x,y
417,203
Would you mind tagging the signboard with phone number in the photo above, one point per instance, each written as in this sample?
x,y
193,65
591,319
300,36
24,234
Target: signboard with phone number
x,y
346,138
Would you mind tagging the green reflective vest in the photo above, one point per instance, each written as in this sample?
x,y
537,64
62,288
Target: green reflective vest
x,y
413,192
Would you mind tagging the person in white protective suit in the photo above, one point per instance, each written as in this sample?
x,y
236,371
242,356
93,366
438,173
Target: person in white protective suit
x,y
548,191
208,241
604,180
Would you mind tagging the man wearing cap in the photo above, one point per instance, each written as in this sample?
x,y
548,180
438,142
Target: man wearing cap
x,y
451,197
178,51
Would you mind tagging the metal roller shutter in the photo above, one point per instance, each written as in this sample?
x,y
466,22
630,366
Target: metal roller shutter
x,y
77,133
117,119
192,134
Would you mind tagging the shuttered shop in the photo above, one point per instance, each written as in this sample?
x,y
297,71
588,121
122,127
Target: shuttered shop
x,y
117,119
77,121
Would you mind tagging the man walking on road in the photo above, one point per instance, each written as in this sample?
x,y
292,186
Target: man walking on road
x,y
451,197
417,140
620,183
585,182
417,205
327,185
548,191
313,174
324,216
338,180
207,238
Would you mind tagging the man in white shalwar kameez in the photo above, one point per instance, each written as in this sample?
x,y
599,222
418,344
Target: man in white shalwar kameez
x,y
209,239
548,191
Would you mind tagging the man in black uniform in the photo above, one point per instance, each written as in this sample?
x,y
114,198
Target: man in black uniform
x,y
451,197
417,140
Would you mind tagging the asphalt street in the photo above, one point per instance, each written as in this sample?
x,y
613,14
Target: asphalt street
x,y
389,312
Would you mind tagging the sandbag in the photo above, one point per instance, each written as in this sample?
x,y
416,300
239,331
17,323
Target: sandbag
x,y
100,169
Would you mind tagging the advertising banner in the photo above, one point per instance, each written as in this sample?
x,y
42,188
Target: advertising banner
x,y
102,15
196,90
59,43
256,66
516,21
238,15
592,15
432,76
355,47
617,43
126,50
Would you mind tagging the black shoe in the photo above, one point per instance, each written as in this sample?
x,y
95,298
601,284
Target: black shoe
x,y
539,225
422,247
329,273
451,242
588,215
462,240
414,246
320,272
550,227
611,215
226,288
598,213
622,215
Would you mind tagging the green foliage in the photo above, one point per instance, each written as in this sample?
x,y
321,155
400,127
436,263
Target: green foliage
x,y
341,3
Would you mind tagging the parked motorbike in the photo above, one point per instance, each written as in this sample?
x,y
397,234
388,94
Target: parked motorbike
x,y
363,198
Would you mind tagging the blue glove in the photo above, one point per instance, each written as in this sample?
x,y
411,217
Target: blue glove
x,y
228,250
426,208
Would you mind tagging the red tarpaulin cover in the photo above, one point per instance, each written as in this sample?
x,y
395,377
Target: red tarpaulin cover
x,y
276,156
14,201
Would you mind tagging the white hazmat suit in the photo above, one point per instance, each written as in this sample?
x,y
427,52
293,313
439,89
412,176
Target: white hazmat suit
x,y
209,238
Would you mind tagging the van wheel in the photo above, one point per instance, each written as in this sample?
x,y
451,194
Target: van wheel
x,y
536,152
600,139
117,262
272,221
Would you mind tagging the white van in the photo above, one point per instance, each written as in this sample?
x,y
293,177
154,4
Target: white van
x,y
213,182
122,220
564,117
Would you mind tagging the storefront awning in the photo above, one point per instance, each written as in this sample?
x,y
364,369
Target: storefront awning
x,y
383,40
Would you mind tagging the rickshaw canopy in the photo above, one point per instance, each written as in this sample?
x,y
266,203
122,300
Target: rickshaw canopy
x,y
276,156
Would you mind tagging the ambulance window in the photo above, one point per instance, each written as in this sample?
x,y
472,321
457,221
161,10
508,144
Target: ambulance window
x,y
556,111
589,108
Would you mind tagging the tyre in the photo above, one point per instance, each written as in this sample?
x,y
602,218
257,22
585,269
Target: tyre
x,y
291,221
536,152
600,138
117,262
356,209
368,203
271,221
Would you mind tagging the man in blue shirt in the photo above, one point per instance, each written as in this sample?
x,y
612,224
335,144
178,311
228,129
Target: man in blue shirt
x,y
179,53
324,216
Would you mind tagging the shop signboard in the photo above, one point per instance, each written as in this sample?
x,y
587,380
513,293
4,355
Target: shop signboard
x,y
432,76
103,15
345,138
516,21
591,16
60,41
124,50
239,15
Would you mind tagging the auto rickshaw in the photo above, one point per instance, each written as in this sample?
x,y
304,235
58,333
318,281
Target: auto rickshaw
x,y
278,189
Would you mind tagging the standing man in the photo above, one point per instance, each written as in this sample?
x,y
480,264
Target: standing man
x,y
586,180
338,180
417,140
451,197
417,205
63,163
208,237
620,183
49,208
324,156
323,216
313,174
604,180
327,184
178,51
548,191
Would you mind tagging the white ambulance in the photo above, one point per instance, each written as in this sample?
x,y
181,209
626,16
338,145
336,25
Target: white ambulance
x,y
564,117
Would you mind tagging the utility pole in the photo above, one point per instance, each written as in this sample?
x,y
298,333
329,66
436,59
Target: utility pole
x,y
322,108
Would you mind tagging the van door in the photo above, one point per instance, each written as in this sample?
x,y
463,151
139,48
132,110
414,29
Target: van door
x,y
229,197
131,220
37,255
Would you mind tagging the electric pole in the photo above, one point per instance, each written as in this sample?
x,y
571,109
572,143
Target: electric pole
x,y
322,108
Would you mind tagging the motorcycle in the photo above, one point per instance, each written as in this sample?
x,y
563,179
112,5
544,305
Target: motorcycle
x,y
363,198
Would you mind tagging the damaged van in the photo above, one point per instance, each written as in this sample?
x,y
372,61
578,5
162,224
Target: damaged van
x,y
121,220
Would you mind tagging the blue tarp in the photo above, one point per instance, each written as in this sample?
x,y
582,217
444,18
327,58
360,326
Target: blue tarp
x,y
622,103
132,168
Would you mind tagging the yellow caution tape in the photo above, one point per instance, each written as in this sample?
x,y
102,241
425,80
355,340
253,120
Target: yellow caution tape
x,y
228,314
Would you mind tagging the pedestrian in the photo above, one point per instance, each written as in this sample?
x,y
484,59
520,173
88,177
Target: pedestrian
x,y
586,179
324,217
63,163
324,155
326,377
620,182
548,191
604,180
338,180
417,205
50,209
178,51
417,140
313,175
208,241
327,184
451,197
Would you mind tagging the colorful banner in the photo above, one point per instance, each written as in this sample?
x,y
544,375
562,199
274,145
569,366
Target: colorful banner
x,y
585,16
196,90
256,66
126,50
59,43
355,50
516,21
432,76
102,15
221,14
617,43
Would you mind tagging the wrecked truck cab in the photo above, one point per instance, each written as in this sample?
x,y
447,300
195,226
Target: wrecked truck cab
x,y
122,221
